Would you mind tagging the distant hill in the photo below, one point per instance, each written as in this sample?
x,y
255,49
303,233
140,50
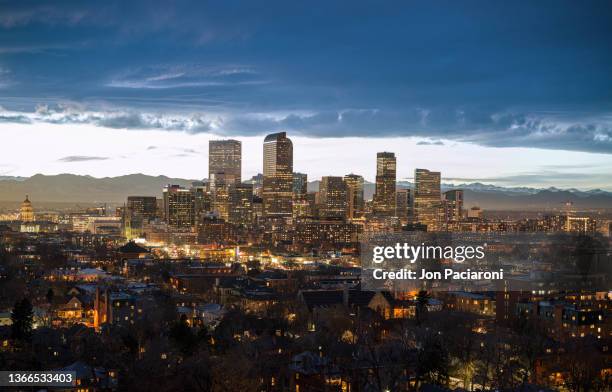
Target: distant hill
x,y
70,188
74,188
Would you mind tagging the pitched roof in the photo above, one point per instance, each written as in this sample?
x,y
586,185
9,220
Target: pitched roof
x,y
318,298
132,247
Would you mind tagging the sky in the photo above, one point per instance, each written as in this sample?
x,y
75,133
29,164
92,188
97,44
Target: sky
x,y
508,93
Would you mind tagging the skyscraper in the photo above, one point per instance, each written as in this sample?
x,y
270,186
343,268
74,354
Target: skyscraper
x,y
202,198
278,175
241,204
257,182
144,207
453,205
384,196
220,194
225,157
300,185
139,210
354,193
402,204
333,197
427,201
179,211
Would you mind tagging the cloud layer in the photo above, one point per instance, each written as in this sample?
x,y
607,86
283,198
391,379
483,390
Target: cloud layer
x,y
497,74
495,129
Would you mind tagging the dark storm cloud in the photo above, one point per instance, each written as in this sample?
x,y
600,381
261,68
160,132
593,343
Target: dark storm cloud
x,y
494,73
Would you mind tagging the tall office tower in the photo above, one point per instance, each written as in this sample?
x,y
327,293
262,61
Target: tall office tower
x,y
300,206
139,211
202,198
144,207
453,205
225,156
354,193
300,185
278,175
241,204
384,196
333,197
427,199
257,182
220,193
179,211
402,204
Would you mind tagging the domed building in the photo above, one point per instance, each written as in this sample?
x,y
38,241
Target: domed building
x,y
26,212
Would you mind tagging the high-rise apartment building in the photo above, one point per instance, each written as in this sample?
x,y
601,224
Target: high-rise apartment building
x,y
384,196
333,197
354,193
277,189
179,211
225,157
427,198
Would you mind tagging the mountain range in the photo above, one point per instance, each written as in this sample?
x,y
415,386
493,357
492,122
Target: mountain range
x,y
71,188
492,197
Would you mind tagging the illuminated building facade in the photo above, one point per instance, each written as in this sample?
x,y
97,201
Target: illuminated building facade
x,y
326,233
212,230
179,210
142,206
384,196
202,198
427,198
453,205
241,204
333,197
278,175
300,185
26,212
402,204
354,193
225,157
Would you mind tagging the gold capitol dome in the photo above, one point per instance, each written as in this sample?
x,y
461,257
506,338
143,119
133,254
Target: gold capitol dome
x,y
26,212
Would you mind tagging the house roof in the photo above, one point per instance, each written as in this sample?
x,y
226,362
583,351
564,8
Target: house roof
x,y
132,247
322,298
84,371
